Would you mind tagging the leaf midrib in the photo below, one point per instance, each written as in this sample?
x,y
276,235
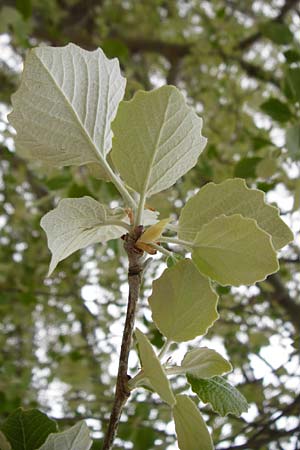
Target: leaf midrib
x,y
73,112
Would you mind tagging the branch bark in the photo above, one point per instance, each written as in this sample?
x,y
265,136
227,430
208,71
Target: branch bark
x,y
122,391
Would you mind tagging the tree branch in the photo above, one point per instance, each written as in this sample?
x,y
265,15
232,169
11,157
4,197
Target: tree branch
x,y
250,40
122,392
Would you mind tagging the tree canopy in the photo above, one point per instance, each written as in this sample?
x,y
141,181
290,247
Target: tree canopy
x,y
237,63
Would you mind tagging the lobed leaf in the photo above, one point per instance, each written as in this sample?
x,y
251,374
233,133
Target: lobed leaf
x,y
64,107
76,438
153,370
183,303
191,430
233,250
223,397
205,363
232,197
76,223
157,139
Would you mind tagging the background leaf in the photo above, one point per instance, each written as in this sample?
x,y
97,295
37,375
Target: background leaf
x,y
276,109
27,430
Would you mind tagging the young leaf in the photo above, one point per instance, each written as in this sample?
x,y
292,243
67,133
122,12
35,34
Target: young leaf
x,y
192,433
27,430
205,363
153,233
233,250
63,109
153,370
232,197
183,304
223,397
76,438
76,223
157,139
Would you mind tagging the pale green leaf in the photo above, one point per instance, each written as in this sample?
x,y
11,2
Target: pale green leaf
x,y
232,197
27,430
153,370
191,430
233,250
76,223
157,139
63,109
96,170
205,363
223,397
75,438
183,304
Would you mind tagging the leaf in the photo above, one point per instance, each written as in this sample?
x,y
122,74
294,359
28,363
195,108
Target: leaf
x,y
157,139
153,233
153,370
292,142
246,167
277,32
223,397
293,83
205,363
266,168
63,109
292,55
276,109
183,304
27,430
296,204
76,223
76,438
4,444
191,430
232,197
233,250
97,171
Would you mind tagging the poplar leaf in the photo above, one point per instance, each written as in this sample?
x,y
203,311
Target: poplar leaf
x,y
223,397
76,223
205,363
234,250
153,233
228,198
32,425
157,139
153,370
191,430
65,104
75,438
183,304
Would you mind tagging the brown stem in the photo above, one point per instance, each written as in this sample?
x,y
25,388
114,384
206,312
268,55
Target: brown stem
x,y
122,392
